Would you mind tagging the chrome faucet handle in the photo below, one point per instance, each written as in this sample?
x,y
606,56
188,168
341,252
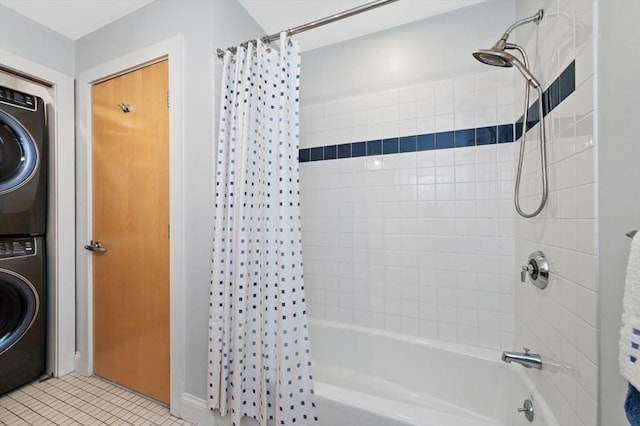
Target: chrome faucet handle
x,y
526,350
528,269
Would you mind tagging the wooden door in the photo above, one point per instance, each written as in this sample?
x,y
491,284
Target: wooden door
x,y
130,160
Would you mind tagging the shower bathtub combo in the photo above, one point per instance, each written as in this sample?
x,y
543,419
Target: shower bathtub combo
x,y
368,377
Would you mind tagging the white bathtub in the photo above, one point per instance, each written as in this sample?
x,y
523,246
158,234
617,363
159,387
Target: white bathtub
x,y
366,377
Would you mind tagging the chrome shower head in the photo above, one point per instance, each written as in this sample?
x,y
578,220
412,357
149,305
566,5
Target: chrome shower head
x,y
494,57
500,58
497,56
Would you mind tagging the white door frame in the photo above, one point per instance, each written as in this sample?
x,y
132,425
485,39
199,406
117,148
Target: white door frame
x,y
61,214
172,49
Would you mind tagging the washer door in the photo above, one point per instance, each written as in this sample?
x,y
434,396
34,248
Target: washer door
x,y
18,308
18,154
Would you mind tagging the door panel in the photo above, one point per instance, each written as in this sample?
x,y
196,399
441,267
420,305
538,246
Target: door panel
x,y
130,219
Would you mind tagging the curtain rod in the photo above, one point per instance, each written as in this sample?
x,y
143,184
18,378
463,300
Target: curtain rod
x,y
315,24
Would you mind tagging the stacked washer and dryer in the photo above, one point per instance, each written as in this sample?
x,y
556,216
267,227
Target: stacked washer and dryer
x,y
23,211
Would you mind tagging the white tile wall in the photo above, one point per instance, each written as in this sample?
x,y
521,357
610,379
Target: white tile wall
x,y
424,243
560,321
418,243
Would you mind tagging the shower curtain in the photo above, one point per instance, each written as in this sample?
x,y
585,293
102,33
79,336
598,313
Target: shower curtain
x,y
259,363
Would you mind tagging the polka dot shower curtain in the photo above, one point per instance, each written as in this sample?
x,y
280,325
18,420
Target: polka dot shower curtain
x,y
259,363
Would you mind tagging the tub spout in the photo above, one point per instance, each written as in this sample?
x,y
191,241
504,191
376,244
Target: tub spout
x,y
526,359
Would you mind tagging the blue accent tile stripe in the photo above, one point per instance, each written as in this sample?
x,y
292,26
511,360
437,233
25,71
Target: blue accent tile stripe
x,y
633,359
636,332
374,147
558,91
317,153
408,144
634,345
359,149
518,128
488,135
567,83
445,140
344,150
505,134
466,137
390,146
330,152
426,142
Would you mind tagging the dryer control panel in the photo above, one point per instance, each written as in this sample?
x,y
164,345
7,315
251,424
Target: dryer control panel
x,y
16,98
16,247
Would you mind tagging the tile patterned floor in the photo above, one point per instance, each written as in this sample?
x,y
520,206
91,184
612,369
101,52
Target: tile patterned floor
x,y
75,400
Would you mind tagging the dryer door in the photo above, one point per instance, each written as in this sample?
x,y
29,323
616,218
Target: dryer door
x,y
18,308
18,154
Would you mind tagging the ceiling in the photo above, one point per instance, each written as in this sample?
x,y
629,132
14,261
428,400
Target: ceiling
x,y
76,18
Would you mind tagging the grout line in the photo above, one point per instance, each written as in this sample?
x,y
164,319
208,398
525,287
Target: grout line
x,y
76,400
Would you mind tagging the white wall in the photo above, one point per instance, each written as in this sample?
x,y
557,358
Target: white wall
x,y
560,322
619,199
204,26
24,37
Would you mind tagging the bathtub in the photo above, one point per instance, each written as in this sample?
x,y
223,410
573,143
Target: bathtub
x,y
366,377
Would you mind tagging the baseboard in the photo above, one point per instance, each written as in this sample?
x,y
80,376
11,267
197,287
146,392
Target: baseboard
x,y
195,410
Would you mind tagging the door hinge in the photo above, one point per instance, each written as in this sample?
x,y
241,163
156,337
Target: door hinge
x,y
167,99
168,232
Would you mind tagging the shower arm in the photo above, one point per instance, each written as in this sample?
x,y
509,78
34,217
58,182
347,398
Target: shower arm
x,y
502,43
543,147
